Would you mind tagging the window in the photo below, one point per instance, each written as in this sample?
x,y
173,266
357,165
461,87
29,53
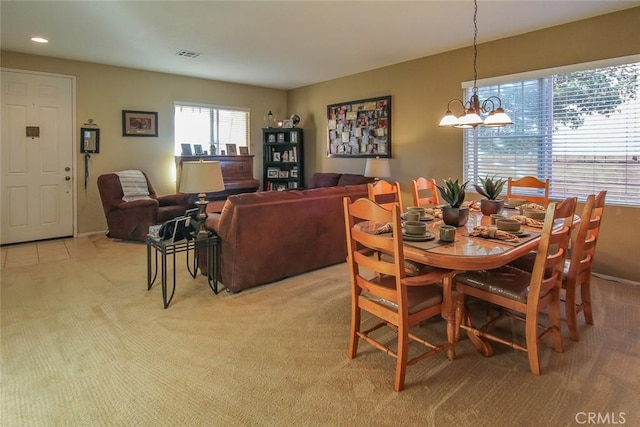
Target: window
x,y
210,125
580,128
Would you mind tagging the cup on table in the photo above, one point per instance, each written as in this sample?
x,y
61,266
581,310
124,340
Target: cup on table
x,y
447,233
412,216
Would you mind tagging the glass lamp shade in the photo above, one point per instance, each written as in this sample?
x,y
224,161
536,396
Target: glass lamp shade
x,y
201,177
498,118
377,168
470,119
449,119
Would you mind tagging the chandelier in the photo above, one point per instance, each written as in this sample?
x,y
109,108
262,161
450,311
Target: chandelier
x,y
469,115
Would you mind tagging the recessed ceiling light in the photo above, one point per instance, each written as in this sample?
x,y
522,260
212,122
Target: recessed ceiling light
x,y
39,40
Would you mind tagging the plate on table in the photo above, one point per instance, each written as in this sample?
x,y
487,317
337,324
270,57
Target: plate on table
x,y
418,237
424,218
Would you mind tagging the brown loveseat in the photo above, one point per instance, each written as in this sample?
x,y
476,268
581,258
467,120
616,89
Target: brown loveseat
x,y
267,236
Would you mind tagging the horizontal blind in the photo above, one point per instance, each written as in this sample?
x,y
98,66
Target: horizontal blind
x,y
210,125
578,129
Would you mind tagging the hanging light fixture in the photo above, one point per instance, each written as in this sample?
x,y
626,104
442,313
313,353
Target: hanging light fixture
x,y
469,116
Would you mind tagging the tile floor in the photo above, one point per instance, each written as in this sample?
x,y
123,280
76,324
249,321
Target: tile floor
x,y
24,254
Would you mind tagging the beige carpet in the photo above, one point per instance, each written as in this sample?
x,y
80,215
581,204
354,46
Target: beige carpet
x,y
85,344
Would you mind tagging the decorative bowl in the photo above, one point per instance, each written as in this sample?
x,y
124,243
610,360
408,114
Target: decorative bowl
x,y
415,227
421,210
535,214
514,203
508,225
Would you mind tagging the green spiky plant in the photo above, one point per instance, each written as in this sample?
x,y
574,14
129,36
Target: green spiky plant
x,y
490,187
453,192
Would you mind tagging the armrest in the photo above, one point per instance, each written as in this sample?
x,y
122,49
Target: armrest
x,y
138,204
213,223
174,199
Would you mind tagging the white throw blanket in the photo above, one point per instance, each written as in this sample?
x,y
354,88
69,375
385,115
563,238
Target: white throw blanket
x,y
134,185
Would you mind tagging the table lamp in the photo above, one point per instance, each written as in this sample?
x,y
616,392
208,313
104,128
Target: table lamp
x,y
377,168
200,178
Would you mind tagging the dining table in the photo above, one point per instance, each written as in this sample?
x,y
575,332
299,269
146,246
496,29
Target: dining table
x,y
467,252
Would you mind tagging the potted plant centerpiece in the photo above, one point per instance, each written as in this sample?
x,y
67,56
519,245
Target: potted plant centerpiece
x,y
453,192
490,188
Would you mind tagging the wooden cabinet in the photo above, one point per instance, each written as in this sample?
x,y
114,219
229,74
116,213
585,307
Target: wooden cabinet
x,y
237,172
283,159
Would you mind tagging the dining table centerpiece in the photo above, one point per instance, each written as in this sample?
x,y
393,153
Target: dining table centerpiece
x,y
453,192
490,188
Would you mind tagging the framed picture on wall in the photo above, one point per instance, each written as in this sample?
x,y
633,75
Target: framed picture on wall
x,y
360,128
139,123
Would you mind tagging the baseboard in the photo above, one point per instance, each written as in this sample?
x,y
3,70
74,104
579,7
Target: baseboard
x,y
617,279
91,233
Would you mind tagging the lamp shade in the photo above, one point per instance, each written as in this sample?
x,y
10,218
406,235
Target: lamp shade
x,y
201,177
377,168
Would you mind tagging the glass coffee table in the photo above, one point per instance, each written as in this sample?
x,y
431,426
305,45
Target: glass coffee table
x,y
157,248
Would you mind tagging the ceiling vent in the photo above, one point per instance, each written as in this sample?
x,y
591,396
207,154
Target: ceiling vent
x,y
187,53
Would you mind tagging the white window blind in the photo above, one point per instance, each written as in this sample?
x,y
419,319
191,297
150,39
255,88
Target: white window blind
x,y
580,129
210,125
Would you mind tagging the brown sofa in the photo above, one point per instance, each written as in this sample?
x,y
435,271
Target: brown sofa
x,y
267,236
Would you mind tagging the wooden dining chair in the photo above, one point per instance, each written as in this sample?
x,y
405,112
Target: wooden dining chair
x,y
422,185
530,189
385,194
382,288
577,270
521,294
577,275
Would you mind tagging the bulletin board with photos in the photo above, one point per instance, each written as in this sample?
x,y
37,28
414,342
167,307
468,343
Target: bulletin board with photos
x,y
360,128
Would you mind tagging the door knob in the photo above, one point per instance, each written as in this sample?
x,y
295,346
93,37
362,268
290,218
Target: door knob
x,y
67,178
67,169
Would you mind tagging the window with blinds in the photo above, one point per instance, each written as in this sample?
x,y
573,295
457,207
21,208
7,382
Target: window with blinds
x,y
580,129
210,125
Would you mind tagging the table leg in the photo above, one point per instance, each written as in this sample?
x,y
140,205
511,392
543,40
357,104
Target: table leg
x,y
448,313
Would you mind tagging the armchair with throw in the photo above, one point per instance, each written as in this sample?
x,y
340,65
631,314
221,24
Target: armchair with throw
x,y
130,215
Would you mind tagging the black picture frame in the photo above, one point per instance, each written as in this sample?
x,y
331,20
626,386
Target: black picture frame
x,y
360,128
89,140
139,123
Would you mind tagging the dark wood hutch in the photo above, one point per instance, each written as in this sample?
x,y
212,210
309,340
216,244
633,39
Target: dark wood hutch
x,y
237,172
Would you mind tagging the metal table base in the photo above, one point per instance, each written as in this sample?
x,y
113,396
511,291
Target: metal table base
x,y
191,247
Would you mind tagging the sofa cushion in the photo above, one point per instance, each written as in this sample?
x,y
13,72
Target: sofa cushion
x,y
353,179
324,179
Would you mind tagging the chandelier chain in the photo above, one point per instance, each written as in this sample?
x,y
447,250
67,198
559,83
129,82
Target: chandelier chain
x,y
475,46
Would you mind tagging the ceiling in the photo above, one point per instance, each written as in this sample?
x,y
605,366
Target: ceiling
x,y
277,44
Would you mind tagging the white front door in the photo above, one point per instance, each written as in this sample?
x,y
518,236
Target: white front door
x,y
37,155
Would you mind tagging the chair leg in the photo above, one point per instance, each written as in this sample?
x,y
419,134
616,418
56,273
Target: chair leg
x,y
585,294
531,334
402,354
555,319
355,327
570,310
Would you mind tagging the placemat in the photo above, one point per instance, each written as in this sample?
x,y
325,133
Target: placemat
x,y
532,235
429,244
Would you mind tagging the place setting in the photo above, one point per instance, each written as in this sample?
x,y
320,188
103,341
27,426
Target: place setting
x,y
416,213
416,231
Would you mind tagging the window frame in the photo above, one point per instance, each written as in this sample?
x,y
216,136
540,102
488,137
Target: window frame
x,y
214,126
472,163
